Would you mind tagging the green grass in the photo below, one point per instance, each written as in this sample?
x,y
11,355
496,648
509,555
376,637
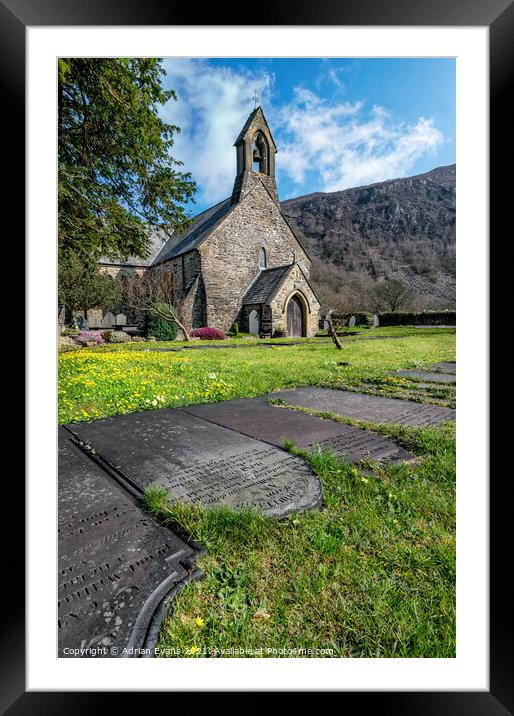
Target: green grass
x,y
370,575
246,339
101,382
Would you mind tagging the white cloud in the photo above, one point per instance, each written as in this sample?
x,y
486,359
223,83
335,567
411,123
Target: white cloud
x,y
323,145
212,105
347,147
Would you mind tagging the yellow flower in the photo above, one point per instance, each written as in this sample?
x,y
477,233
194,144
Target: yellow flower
x,y
364,479
199,622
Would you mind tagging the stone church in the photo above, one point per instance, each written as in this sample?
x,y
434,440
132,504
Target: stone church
x,y
239,261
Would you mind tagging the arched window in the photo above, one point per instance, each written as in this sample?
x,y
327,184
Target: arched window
x,y
262,258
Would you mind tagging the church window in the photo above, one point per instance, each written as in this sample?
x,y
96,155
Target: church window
x,y
262,258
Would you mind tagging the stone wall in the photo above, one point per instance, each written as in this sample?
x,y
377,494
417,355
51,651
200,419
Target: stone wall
x,y
189,289
230,256
189,294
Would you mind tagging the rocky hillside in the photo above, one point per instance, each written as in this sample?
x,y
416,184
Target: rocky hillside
x,y
404,227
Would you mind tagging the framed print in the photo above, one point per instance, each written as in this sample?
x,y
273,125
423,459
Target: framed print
x,y
234,484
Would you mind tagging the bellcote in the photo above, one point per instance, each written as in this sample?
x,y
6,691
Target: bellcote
x,y
255,153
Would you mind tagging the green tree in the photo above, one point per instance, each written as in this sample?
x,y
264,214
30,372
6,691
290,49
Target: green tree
x,y
82,285
117,177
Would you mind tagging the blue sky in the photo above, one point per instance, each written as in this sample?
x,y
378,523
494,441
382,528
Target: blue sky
x,y
337,123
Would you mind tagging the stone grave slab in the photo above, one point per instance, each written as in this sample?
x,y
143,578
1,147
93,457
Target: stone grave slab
x,y
427,375
372,408
117,568
198,461
254,417
445,367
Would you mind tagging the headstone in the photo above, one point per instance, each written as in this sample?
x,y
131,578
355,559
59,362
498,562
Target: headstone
x,y
94,316
253,321
351,322
255,418
82,323
325,324
108,320
376,321
427,375
121,319
196,460
372,408
116,566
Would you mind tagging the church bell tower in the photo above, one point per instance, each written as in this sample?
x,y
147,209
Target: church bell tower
x,y
255,152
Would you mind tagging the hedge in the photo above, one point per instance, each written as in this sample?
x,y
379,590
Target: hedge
x,y
422,318
362,318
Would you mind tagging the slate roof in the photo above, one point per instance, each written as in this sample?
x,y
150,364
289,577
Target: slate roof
x,y
158,239
196,233
266,284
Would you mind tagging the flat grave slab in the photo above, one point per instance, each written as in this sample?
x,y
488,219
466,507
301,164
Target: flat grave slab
x,y
116,566
254,417
445,366
372,408
426,375
198,461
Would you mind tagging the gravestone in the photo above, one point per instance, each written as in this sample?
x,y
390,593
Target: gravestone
x,y
121,319
351,322
256,418
253,322
376,321
444,367
117,568
196,460
82,323
108,320
372,408
418,374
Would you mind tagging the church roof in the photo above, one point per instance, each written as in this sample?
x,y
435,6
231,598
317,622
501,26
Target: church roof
x,y
158,238
196,233
266,284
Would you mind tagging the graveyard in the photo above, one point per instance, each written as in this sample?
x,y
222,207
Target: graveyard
x,y
289,496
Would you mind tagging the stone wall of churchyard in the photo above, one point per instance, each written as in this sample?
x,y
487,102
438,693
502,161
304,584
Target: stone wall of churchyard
x,y
230,256
295,283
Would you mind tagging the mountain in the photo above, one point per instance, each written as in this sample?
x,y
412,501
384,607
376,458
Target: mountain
x,y
400,227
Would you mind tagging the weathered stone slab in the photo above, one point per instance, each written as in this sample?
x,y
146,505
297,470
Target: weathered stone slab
x,y
427,375
199,461
256,418
116,566
445,367
373,408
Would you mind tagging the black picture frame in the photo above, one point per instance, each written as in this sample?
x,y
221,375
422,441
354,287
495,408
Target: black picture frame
x,y
498,15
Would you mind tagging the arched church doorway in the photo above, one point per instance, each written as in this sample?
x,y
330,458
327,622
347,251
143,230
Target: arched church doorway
x,y
295,317
254,321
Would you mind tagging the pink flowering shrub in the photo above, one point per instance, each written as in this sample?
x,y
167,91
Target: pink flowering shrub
x,y
85,337
207,334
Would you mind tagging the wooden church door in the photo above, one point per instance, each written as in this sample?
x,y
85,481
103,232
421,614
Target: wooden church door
x,y
295,318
